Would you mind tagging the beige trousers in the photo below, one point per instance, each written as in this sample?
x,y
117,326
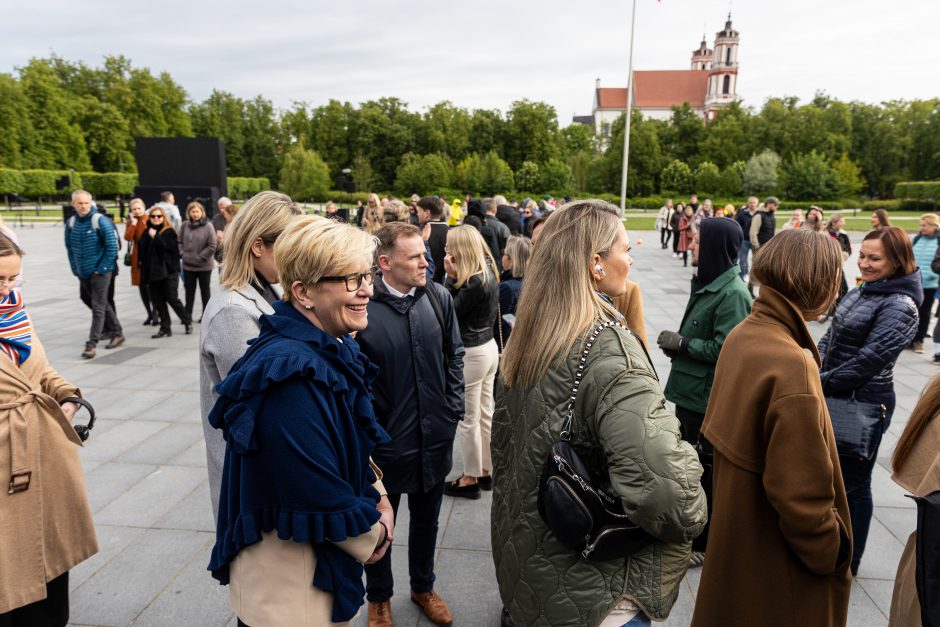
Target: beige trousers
x,y
479,372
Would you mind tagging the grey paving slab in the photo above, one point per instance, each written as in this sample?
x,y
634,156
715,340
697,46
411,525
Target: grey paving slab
x,y
150,499
121,590
146,478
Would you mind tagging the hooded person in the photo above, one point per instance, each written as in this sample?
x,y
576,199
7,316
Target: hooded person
x,y
719,301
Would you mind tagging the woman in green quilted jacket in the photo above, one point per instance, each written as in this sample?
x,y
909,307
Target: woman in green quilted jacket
x,y
621,429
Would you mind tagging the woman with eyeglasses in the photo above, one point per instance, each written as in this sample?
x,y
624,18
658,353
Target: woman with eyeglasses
x,y
249,287
159,261
47,528
472,281
300,508
135,225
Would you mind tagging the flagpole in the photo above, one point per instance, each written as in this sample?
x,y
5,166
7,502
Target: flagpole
x,y
629,109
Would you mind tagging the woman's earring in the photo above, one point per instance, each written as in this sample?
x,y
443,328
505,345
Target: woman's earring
x,y
308,307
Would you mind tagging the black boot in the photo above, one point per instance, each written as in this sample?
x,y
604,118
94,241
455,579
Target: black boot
x,y
162,333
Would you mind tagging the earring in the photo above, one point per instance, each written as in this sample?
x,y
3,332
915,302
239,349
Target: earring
x,y
308,307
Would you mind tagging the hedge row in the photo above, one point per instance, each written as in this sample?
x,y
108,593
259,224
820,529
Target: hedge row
x,y
243,187
918,190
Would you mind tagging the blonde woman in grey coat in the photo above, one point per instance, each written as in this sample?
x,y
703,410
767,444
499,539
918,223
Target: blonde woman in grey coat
x,y
248,279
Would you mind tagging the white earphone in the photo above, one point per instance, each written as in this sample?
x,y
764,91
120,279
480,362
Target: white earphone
x,y
598,268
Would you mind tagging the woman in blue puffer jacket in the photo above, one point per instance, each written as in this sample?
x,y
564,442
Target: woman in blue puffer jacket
x,y
871,326
925,249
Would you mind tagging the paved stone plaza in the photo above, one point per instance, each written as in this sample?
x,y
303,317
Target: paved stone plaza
x,y
145,465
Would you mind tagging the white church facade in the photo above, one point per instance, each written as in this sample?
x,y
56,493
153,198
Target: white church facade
x,y
709,85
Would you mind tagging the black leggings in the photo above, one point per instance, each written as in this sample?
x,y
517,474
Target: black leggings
x,y
165,294
53,611
190,278
664,237
145,299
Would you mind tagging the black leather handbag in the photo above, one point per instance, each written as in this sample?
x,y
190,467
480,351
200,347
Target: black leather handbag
x,y
580,508
927,558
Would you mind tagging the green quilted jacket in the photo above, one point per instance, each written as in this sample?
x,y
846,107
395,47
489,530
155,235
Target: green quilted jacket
x,y
621,423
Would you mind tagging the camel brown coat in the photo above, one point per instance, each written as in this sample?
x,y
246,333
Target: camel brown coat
x,y
46,528
779,545
919,474
133,233
630,306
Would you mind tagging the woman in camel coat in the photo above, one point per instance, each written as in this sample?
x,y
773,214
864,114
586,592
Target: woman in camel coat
x,y
780,538
916,469
47,526
135,225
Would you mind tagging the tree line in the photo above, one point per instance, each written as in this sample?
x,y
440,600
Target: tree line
x,y
58,114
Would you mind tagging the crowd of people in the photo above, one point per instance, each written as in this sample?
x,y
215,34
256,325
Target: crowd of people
x,y
349,352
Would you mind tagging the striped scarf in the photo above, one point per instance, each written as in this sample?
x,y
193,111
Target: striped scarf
x,y
15,328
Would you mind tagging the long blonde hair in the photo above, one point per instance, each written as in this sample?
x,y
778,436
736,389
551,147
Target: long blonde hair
x,y
471,255
374,215
559,303
264,216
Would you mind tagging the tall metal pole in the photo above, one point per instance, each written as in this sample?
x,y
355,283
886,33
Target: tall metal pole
x,y
626,128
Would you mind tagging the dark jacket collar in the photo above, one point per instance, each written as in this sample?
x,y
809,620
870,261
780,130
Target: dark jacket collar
x,y
909,284
401,305
772,307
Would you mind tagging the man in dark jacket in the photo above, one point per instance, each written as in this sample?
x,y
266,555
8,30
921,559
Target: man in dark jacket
x,y
744,220
508,215
430,210
414,338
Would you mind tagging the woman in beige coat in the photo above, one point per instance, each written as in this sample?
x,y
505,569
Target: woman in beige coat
x,y
46,523
916,467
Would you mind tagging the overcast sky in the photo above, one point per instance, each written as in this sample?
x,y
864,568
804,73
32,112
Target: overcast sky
x,y
485,53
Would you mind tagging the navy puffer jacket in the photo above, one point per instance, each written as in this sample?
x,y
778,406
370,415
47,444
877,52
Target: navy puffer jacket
x,y
871,327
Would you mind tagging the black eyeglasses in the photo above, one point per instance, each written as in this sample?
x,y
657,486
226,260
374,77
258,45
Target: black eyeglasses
x,y
353,281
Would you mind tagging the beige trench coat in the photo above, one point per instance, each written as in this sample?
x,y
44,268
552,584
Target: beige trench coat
x,y
920,475
45,524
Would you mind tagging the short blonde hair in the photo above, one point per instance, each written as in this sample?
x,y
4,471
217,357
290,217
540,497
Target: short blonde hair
x,y
137,201
932,219
804,266
396,209
313,247
471,255
264,216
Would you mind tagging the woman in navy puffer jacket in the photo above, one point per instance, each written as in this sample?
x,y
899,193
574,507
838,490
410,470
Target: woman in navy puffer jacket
x,y
871,327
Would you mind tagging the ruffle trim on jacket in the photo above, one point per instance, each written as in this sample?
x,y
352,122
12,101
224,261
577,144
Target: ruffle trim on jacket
x,y
240,396
336,572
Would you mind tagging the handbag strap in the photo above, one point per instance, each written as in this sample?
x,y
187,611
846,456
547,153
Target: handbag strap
x,y
569,412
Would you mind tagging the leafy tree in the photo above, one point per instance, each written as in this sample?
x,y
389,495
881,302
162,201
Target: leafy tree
x,y
384,130
809,177
555,175
580,163
528,177
17,137
222,116
422,175
485,175
446,130
332,128
684,134
362,174
58,141
487,131
727,138
849,177
645,157
531,133
677,177
304,175
261,133
107,137
577,138
707,178
761,174
731,179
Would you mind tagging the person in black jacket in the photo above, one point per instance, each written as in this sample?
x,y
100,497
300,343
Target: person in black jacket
x,y
414,338
508,215
430,211
476,216
870,328
159,261
471,280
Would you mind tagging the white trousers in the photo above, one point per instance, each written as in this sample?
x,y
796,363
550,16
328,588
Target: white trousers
x,y
479,372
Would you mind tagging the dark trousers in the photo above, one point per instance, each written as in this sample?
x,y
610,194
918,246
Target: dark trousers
x,y
664,237
190,278
924,311
53,611
97,292
165,293
690,423
145,299
675,242
424,508
856,476
742,257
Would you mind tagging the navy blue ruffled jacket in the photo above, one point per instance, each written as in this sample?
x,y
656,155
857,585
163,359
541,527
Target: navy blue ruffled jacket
x,y
296,414
871,326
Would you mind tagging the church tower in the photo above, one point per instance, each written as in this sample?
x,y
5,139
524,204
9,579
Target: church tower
x,y
702,58
723,79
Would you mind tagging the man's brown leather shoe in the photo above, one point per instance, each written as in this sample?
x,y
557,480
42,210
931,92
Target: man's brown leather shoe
x,y
434,607
380,614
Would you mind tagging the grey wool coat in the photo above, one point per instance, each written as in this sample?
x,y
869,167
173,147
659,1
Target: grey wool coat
x,y
230,320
